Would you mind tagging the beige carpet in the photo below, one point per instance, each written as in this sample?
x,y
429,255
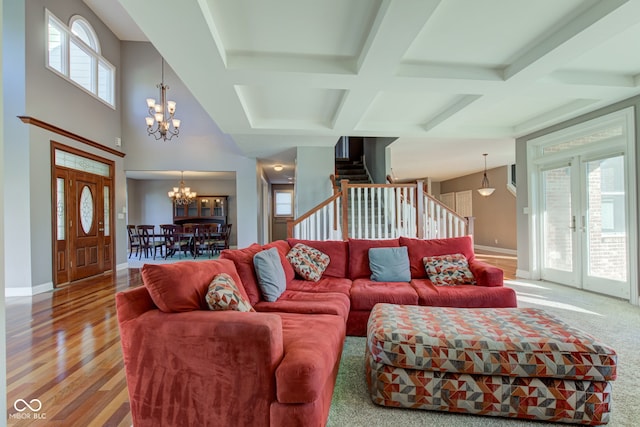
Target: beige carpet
x,y
615,322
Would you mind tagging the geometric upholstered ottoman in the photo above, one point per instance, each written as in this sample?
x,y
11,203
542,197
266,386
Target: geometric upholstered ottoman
x,y
507,362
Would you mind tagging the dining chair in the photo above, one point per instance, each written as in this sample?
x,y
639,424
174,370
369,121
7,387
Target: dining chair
x,y
201,239
148,241
222,241
134,239
174,240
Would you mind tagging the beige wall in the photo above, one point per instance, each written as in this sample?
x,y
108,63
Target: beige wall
x,y
495,215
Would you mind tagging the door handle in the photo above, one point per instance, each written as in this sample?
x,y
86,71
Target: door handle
x,y
100,229
573,223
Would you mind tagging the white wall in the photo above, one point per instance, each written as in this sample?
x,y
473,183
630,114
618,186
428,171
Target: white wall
x,y
3,354
314,165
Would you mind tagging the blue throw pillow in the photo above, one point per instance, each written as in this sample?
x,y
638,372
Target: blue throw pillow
x,y
389,264
271,278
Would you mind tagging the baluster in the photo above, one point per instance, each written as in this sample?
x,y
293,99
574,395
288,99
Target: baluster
x,y
352,192
365,200
450,232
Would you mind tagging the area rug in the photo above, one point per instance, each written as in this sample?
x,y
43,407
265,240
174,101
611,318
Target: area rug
x,y
611,320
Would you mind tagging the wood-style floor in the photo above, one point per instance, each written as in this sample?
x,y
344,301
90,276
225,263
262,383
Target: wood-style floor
x,y
63,348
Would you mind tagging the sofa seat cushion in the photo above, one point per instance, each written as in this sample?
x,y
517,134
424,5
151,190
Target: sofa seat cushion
x,y
183,286
418,249
464,296
336,250
308,303
366,293
519,342
329,284
312,347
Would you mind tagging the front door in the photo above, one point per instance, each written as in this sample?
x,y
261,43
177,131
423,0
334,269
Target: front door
x,y
89,247
82,208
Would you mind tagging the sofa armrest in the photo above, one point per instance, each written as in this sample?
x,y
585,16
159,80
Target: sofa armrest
x,y
485,274
194,367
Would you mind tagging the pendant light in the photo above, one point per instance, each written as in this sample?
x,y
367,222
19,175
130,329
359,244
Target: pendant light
x,y
485,189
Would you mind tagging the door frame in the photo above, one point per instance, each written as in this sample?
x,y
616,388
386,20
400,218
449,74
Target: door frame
x,y
112,229
624,116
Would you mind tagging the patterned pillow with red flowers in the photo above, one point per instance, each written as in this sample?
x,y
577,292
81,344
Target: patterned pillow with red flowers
x,y
448,270
223,294
308,262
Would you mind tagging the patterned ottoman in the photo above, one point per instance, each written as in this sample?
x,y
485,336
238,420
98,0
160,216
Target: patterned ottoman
x,y
508,362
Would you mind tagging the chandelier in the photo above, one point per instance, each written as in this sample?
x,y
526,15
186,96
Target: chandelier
x,y
161,123
485,189
182,195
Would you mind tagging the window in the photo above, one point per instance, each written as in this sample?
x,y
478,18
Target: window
x,y
73,52
283,202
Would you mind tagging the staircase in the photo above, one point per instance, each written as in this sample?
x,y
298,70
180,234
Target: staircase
x,y
353,170
379,211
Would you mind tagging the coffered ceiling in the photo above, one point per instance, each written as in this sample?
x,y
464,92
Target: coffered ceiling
x,y
461,74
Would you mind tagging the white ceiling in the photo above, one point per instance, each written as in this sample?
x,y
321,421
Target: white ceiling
x,y
449,78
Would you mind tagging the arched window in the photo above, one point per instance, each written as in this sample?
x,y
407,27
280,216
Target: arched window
x,y
74,53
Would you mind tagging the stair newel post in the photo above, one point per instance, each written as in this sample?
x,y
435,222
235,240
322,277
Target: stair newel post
x,y
420,208
344,184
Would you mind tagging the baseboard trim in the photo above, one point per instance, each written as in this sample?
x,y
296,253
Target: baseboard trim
x,y
122,266
523,274
496,250
28,291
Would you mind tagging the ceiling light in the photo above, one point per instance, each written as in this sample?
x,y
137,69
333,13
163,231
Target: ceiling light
x,y
278,168
182,195
160,122
485,189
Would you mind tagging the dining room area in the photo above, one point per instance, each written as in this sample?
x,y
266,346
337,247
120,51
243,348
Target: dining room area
x,y
177,216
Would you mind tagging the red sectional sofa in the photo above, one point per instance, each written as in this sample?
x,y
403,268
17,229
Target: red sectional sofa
x,y
186,365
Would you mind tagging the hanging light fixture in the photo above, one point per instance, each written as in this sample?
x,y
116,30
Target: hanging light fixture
x,y
161,123
485,189
182,195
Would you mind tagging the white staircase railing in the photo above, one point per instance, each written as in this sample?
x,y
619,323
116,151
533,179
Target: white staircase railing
x,y
379,211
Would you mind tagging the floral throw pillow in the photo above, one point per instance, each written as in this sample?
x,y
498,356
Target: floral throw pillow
x,y
308,262
448,270
223,294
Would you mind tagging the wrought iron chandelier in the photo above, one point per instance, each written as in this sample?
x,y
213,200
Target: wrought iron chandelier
x,y
485,189
182,195
161,123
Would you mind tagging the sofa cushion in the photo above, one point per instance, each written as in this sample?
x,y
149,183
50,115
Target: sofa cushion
x,y
366,293
283,249
290,301
223,294
359,255
389,264
310,356
182,286
271,278
448,270
463,296
328,284
419,249
308,262
336,250
243,260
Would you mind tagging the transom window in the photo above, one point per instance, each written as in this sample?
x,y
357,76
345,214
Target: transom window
x,y
73,52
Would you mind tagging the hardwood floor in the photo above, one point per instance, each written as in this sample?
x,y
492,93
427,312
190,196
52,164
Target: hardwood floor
x,y
63,348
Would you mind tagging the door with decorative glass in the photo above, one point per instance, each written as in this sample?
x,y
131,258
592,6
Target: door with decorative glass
x,y
82,192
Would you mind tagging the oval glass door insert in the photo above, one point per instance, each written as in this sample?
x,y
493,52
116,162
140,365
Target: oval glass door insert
x,y
86,209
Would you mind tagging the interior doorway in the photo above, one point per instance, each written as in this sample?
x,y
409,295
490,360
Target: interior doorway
x,y
82,200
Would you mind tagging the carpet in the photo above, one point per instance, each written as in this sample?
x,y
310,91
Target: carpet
x,y
615,322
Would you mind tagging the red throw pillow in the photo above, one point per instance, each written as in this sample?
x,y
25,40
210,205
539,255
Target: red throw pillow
x,y
182,286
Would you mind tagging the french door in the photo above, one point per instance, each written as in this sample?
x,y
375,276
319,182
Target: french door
x,y
584,199
584,224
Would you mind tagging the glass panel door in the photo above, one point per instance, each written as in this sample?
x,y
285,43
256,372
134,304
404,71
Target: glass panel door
x,y
605,230
558,226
